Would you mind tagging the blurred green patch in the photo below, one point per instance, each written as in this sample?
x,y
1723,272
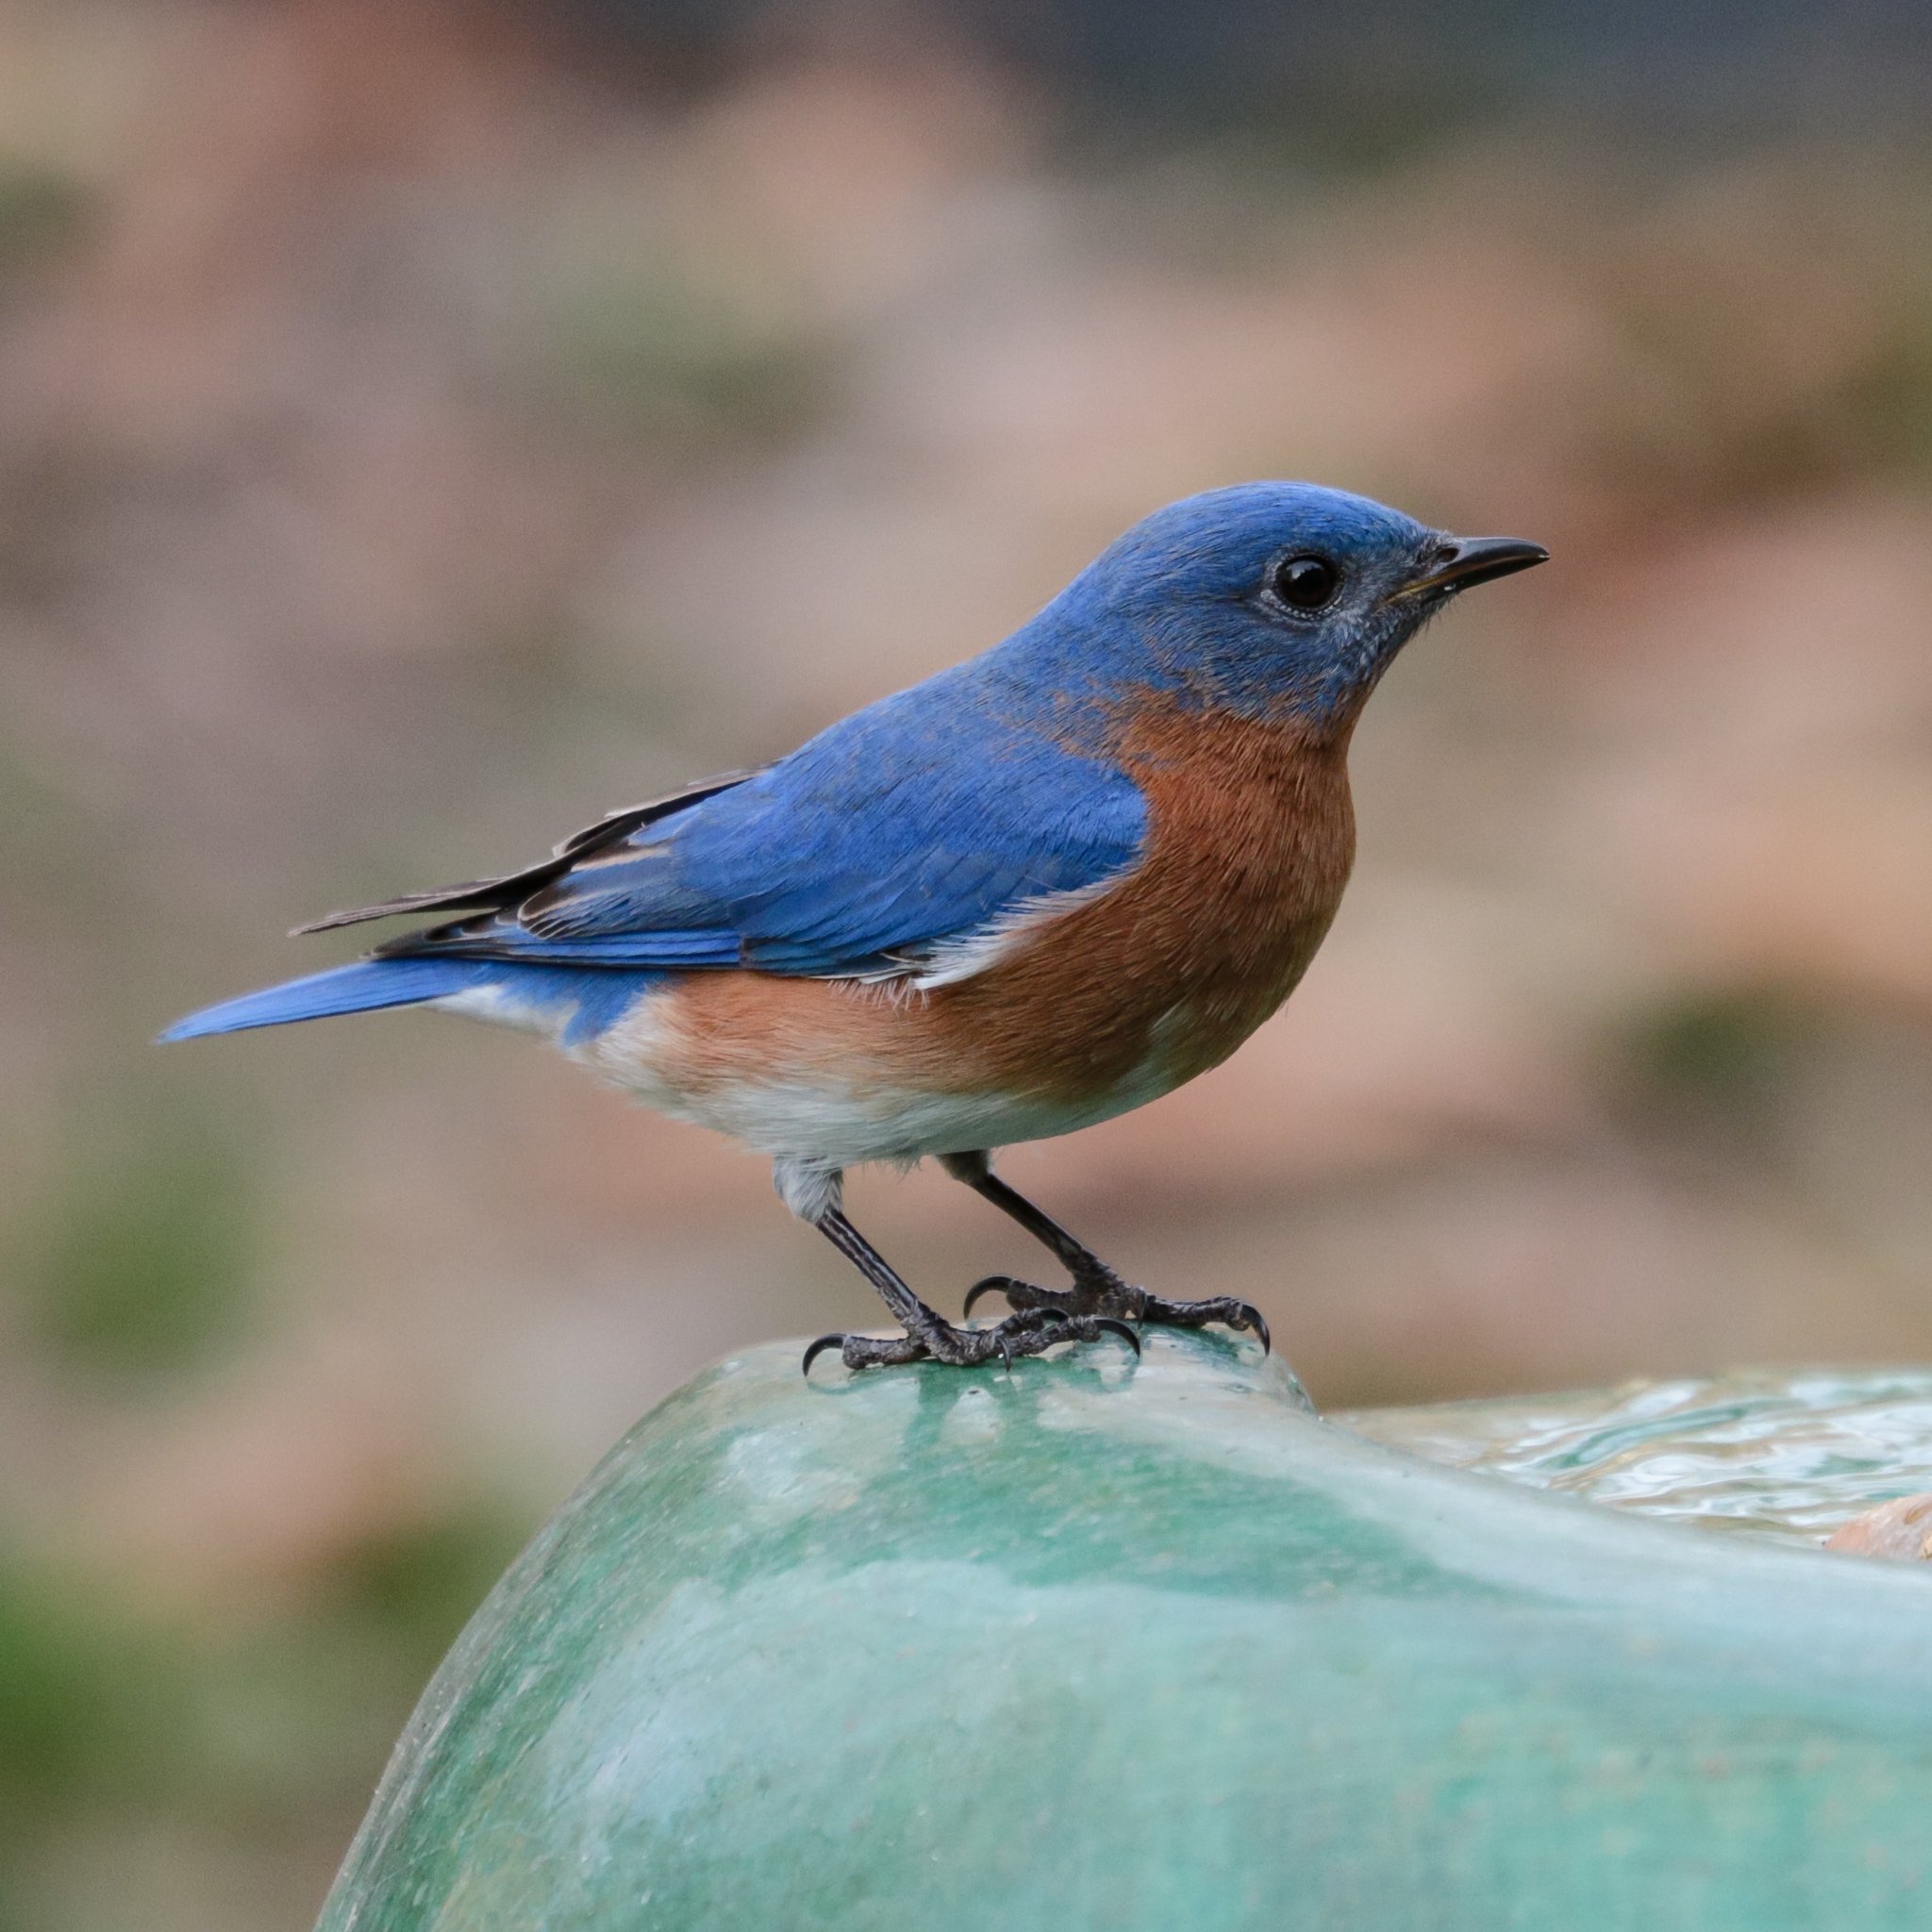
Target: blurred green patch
x,y
302,1706
40,211
1890,403
119,1718
92,1717
1336,134
141,1259
652,346
415,1589
1725,1059
91,1707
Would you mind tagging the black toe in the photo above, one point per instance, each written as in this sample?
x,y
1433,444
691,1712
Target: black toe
x,y
818,1348
989,1284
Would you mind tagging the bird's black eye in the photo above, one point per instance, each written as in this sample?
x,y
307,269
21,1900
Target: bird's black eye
x,y
1304,583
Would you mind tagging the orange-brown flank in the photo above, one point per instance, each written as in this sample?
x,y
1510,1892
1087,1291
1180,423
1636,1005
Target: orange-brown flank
x,y
1251,838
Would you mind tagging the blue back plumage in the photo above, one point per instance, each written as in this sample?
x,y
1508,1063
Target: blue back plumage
x,y
920,818
929,814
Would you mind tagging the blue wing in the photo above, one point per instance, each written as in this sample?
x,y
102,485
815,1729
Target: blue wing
x,y
917,820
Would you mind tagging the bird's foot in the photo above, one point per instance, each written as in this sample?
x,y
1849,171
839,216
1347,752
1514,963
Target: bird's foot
x,y
1103,1293
1028,1331
1226,1308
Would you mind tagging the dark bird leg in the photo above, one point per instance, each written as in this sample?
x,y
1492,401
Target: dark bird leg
x,y
929,1336
1097,1290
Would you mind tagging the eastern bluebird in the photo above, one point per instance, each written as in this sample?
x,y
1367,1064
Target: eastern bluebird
x,y
1036,891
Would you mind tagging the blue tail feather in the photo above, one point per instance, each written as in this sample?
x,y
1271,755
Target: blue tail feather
x,y
362,988
597,996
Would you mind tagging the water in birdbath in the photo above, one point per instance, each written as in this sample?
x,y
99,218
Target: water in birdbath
x,y
1789,1456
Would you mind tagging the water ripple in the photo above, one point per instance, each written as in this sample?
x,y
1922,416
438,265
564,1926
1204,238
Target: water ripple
x,y
1789,1456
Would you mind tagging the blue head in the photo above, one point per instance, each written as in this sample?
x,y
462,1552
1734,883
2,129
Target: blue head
x,y
1268,599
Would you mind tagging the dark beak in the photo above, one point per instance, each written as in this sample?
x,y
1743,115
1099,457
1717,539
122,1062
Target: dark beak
x,y
1458,563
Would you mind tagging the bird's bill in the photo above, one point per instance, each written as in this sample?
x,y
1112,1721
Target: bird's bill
x,y
1458,563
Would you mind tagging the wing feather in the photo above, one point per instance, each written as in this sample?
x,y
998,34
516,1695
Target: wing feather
x,y
906,829
579,848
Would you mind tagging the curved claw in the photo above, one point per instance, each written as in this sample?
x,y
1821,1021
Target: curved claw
x,y
818,1348
988,1284
1253,1317
1111,1327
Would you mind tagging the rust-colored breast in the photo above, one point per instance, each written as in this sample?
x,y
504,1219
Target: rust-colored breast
x,y
1251,840
1252,837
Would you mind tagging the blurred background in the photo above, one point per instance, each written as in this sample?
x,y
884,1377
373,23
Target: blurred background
x,y
423,426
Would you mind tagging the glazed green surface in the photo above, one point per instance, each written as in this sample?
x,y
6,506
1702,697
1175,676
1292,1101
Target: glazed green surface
x,y
1099,1645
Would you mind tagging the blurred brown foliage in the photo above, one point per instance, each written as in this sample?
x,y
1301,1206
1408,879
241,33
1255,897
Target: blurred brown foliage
x,y
422,428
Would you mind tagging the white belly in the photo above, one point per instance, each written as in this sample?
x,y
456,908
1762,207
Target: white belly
x,y
822,1118
841,1123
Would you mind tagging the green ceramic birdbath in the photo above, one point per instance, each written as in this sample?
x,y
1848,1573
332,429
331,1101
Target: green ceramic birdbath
x,y
1106,1644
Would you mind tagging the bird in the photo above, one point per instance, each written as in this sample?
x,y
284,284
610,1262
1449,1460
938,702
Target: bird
x,y
1042,888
